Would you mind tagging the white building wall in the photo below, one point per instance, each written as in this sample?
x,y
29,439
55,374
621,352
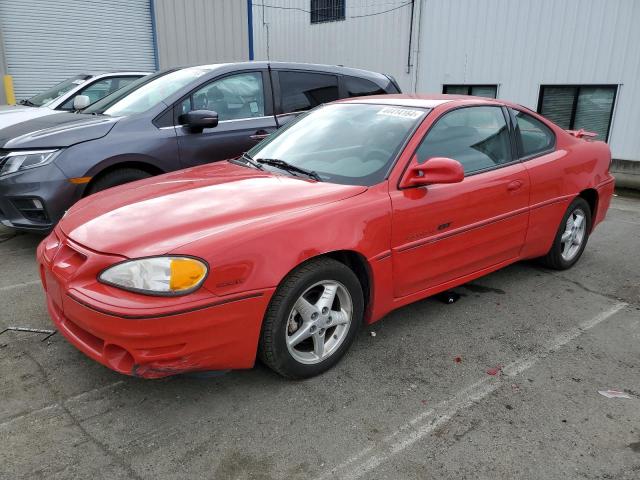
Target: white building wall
x,y
517,44
197,32
521,45
375,42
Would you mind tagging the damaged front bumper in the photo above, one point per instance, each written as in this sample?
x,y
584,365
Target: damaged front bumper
x,y
208,334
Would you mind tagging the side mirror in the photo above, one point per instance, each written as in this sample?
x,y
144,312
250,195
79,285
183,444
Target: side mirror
x,y
433,171
81,101
198,120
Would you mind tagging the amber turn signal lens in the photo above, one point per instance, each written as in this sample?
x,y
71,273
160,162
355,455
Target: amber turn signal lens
x,y
186,273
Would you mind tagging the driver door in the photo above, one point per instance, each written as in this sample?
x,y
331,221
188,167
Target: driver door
x,y
444,232
245,112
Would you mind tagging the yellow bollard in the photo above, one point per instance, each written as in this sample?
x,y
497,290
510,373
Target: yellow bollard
x,y
7,80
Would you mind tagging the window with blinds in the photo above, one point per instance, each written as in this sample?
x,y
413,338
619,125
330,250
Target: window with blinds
x,y
573,107
327,11
488,91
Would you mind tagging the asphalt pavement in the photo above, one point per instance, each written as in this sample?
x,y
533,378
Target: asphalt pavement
x,y
502,384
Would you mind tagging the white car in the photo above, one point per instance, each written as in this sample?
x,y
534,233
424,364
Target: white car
x,y
83,89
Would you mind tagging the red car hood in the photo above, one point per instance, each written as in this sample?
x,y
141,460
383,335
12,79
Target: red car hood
x,y
157,215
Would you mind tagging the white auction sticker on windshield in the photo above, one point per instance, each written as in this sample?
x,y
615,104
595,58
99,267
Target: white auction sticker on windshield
x,y
400,112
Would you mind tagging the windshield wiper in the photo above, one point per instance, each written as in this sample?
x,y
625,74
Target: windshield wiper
x,y
274,162
249,159
29,103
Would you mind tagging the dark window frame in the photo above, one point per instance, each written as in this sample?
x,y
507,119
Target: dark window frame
x,y
469,87
338,11
574,107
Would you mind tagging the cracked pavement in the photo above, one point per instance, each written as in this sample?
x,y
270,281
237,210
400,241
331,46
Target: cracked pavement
x,y
414,401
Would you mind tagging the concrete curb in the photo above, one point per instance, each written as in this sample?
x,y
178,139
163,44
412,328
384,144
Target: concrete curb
x,y
627,173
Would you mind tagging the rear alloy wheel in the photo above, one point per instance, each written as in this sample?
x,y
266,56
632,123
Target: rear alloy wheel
x,y
571,238
312,319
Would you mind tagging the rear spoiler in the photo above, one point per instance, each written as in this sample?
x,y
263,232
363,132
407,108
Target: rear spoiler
x,y
582,133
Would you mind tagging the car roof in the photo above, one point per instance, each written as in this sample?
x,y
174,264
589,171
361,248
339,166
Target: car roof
x,y
424,100
115,72
317,67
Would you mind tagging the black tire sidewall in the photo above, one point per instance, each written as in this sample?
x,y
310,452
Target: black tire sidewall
x,y
278,312
556,250
116,178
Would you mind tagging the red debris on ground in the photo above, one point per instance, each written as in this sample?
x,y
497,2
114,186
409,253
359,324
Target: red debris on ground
x,y
458,359
495,371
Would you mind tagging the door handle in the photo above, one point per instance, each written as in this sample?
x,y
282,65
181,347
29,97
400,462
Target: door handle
x,y
514,185
259,135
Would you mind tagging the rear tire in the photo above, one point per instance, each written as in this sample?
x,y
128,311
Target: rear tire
x,y
115,178
312,319
571,237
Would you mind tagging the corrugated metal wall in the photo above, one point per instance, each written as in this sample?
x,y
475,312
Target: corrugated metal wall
x,y
374,40
48,41
518,45
192,32
522,45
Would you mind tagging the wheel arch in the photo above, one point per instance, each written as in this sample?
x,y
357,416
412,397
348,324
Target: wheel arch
x,y
590,195
358,264
137,164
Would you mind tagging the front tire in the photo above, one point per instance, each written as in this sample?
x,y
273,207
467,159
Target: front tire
x,y
312,319
571,238
116,177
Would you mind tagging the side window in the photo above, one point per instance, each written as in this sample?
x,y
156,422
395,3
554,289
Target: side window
x,y
124,81
477,137
95,92
535,136
234,97
358,87
303,90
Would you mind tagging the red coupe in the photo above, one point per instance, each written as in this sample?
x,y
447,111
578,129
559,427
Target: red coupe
x,y
355,209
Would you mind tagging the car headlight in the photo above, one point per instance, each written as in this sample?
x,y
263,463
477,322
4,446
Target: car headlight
x,y
16,161
157,275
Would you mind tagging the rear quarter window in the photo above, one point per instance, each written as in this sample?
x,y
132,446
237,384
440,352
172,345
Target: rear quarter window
x,y
359,87
300,91
535,137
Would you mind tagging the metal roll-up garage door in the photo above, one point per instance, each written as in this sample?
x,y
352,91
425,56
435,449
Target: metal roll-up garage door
x,y
47,41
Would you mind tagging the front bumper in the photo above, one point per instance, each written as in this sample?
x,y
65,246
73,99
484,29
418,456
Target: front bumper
x,y
182,335
34,200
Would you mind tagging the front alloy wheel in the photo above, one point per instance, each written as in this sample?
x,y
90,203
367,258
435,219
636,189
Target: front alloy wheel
x,y
319,322
312,319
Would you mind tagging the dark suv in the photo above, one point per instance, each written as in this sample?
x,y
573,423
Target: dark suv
x,y
174,119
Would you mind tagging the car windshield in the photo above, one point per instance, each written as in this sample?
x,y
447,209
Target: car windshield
x,y
56,91
350,144
146,93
